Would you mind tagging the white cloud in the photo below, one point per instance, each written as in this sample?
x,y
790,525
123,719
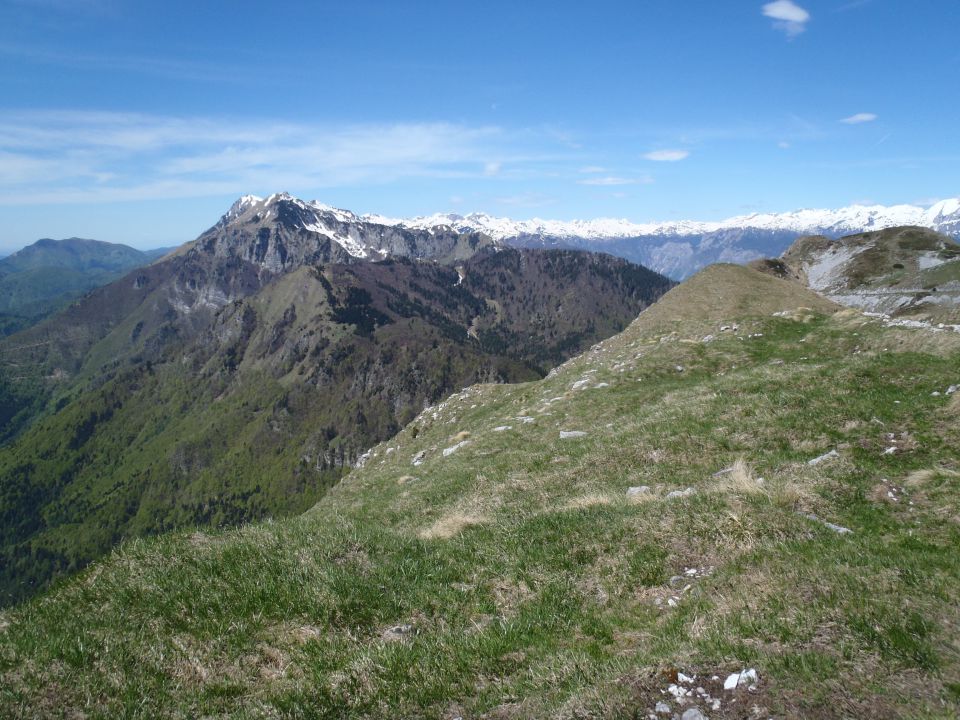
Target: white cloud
x,y
86,157
612,181
783,145
590,169
667,155
788,16
859,118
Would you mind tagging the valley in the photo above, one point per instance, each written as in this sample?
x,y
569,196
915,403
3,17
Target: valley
x,y
239,378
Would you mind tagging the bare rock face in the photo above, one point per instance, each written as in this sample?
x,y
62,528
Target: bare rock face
x,y
281,232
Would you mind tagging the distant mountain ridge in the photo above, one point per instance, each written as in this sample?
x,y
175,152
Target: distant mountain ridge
x,y
680,248
41,278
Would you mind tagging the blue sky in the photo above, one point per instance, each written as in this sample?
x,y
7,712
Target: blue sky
x,y
140,122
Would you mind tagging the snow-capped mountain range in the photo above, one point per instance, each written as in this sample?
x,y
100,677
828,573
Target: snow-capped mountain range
x,y
676,248
852,219
679,248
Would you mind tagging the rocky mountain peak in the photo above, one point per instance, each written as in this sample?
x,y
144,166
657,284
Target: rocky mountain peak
x,y
281,232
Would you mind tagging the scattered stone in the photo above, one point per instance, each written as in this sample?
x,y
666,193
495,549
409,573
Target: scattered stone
x,y
935,393
599,386
637,490
453,448
744,678
840,529
503,428
693,714
952,389
890,450
419,457
823,458
776,361
579,384
680,493
681,677
526,419
679,368
662,708
571,434
398,632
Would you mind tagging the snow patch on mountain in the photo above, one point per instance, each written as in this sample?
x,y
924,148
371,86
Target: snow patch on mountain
x,y
852,219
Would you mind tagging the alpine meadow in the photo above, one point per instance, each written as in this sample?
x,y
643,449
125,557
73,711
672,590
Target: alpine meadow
x,y
614,375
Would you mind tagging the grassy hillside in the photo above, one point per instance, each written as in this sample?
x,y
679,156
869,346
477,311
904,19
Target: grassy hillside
x,y
500,557
264,408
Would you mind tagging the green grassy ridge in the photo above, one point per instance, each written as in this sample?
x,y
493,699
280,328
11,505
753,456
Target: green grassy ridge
x,y
530,581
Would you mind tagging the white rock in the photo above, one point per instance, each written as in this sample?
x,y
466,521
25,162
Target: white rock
x,y
525,419
418,458
681,677
638,490
822,458
952,389
935,393
571,434
890,450
731,682
677,691
679,368
680,493
452,449
502,428
836,528
662,708
599,386
693,714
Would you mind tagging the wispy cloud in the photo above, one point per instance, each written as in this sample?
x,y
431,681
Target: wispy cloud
x,y
852,5
787,16
611,181
592,169
667,155
859,119
527,200
106,157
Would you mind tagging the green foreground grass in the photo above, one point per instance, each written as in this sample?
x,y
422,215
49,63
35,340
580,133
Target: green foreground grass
x,y
515,577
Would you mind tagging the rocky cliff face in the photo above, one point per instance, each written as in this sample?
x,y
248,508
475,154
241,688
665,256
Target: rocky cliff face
x,y
905,271
282,232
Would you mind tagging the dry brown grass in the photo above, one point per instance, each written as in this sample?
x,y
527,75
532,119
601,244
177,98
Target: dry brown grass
x,y
459,437
587,501
739,480
452,524
953,407
919,478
